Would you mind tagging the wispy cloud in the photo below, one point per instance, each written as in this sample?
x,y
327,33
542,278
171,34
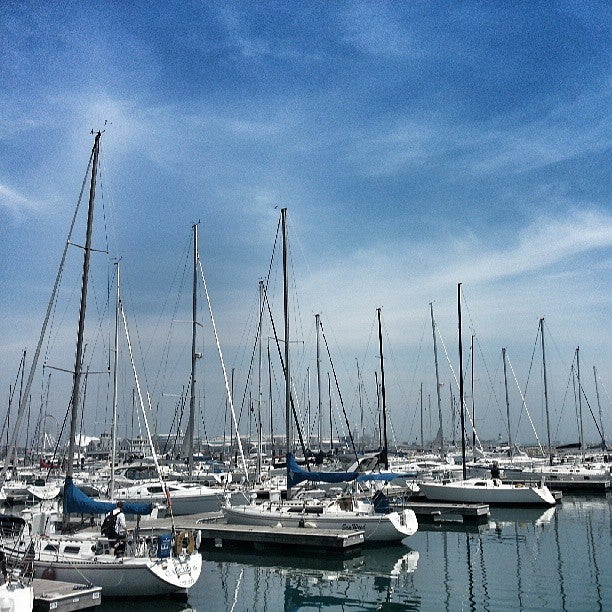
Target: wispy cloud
x,y
18,204
505,144
404,277
540,246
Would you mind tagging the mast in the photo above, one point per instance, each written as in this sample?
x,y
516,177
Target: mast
x,y
111,490
259,386
362,430
473,401
550,450
270,403
421,402
385,452
317,325
331,427
461,394
603,435
435,347
581,426
76,382
194,356
507,403
378,410
287,369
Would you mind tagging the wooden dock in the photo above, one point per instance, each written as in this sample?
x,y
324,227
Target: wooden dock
x,y
265,537
64,596
215,532
431,512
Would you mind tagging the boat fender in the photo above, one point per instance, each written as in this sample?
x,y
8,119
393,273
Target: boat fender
x,y
190,543
178,542
198,538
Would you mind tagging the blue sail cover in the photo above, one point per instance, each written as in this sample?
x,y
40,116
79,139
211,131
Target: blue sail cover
x,y
77,502
295,474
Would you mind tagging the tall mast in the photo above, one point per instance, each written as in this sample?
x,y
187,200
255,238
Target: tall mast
x,y
385,453
378,408
581,426
473,401
331,426
362,430
194,355
550,449
259,385
435,347
603,435
461,394
286,316
507,403
422,442
270,403
317,325
76,381
111,490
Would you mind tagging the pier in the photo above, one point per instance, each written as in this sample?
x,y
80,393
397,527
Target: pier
x,y
432,512
64,596
219,534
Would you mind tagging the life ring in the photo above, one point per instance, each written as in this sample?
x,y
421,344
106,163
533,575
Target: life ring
x,y
180,540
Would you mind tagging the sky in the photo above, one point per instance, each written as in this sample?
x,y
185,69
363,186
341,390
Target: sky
x,y
415,145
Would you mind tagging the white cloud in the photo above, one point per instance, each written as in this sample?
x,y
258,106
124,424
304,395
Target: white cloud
x,y
17,203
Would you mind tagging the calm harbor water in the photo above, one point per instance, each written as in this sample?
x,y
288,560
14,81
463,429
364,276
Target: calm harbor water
x,y
559,559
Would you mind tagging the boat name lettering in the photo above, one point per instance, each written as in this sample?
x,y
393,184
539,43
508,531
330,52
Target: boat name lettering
x,y
353,527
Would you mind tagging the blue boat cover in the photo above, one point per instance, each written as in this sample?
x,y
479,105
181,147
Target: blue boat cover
x,y
77,502
295,474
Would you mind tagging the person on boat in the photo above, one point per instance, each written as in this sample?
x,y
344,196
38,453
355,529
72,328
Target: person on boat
x,y
114,528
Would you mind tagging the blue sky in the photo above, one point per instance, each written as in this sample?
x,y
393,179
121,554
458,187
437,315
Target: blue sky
x,y
415,144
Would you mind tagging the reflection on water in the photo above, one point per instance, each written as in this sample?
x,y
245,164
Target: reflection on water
x,y
521,559
322,581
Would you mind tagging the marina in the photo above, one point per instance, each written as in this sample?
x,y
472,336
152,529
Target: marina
x,y
305,306
529,559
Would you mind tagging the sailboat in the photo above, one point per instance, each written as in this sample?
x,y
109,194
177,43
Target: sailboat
x,y
342,513
482,490
168,564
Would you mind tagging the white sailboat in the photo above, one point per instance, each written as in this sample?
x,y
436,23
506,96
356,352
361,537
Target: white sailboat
x,y
155,565
482,490
487,491
342,513
16,596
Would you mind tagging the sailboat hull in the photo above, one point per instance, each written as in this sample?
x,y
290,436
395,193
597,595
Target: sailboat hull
x,y
74,560
487,491
391,527
134,578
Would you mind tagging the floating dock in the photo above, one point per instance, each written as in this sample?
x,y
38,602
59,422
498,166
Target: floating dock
x,y
64,596
217,533
432,512
266,537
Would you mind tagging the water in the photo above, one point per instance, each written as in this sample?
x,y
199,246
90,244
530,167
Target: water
x,y
559,559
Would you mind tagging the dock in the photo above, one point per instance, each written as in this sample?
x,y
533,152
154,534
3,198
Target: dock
x,y
64,596
266,537
432,512
217,533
